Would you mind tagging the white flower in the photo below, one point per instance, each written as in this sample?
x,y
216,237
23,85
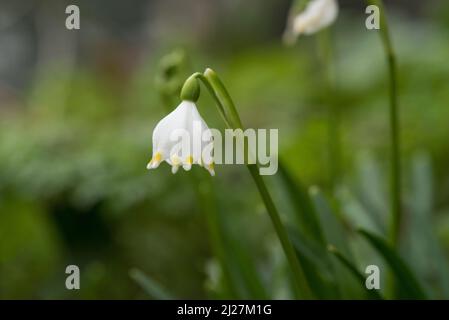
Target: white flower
x,y
317,15
182,138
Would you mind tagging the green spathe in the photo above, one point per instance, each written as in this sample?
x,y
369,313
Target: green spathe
x,y
190,90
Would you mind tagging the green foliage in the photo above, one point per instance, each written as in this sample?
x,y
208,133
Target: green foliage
x,y
405,282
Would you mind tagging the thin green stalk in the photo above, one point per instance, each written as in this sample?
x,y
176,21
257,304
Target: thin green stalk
x,y
396,205
334,136
232,119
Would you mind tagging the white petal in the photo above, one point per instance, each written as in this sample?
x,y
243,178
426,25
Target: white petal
x,y
155,160
317,15
187,163
197,127
210,168
177,119
177,138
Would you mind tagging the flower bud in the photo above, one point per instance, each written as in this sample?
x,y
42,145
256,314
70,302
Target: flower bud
x,y
190,90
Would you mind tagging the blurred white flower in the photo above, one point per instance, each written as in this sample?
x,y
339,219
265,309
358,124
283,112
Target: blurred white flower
x,y
180,139
317,15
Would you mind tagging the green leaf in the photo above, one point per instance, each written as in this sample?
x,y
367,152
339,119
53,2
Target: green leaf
x,y
317,266
421,244
372,294
307,237
370,191
241,280
405,281
334,234
151,287
355,213
306,217
244,273
217,234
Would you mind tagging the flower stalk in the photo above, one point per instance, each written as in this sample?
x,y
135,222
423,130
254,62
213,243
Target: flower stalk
x,y
228,111
396,203
333,112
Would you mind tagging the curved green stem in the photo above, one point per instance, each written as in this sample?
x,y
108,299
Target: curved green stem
x,y
232,119
215,96
396,205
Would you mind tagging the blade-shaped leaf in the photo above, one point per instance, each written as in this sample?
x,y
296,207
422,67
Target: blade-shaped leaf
x,y
371,188
243,271
317,266
151,287
240,277
307,236
372,294
305,214
334,234
405,281
333,229
421,244
355,212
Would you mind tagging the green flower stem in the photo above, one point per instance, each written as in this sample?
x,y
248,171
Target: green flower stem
x,y
214,94
396,205
232,119
334,136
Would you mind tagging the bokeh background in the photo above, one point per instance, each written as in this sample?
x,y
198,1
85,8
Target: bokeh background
x,y
77,110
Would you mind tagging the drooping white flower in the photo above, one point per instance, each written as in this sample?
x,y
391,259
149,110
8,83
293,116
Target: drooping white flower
x,y
317,15
182,138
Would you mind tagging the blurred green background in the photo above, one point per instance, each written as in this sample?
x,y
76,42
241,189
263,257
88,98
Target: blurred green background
x,y
77,110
